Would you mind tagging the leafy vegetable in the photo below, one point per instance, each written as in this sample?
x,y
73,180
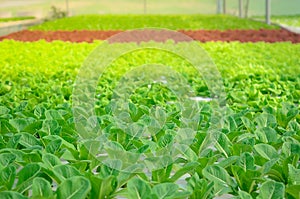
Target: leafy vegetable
x,y
125,22
74,188
253,153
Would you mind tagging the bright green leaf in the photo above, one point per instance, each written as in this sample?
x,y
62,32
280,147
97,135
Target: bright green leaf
x,y
76,187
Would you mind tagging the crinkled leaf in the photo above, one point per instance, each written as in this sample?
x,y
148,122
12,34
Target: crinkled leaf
x,y
271,190
6,159
266,134
293,190
76,187
41,189
54,146
26,175
11,195
7,176
244,195
266,151
103,188
65,171
20,123
138,189
28,140
266,120
294,175
217,174
165,190
246,161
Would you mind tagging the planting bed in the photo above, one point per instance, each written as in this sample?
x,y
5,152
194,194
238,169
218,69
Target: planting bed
x,y
289,20
15,19
199,27
270,36
173,22
252,152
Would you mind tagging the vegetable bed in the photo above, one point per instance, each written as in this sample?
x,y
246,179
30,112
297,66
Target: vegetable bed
x,y
256,148
173,22
290,20
199,35
15,19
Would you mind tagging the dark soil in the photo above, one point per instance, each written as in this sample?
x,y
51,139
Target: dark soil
x,y
263,35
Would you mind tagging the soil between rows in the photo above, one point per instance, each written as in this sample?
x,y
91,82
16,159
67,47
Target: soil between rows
x,y
262,35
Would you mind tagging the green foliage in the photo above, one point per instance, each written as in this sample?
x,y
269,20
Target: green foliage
x,y
15,19
74,188
138,188
173,22
41,189
270,189
289,20
253,153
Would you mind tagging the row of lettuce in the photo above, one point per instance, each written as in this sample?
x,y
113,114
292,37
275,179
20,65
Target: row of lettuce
x,y
96,22
173,22
9,19
255,151
252,73
289,20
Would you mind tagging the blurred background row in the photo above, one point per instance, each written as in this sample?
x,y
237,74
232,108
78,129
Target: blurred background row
x,y
41,8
